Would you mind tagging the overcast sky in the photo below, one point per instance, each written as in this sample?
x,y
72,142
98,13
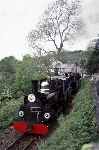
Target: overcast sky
x,y
18,17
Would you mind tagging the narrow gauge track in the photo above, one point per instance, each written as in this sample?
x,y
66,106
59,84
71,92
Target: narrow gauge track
x,y
25,142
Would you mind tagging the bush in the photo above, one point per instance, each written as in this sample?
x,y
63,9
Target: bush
x,y
78,127
8,112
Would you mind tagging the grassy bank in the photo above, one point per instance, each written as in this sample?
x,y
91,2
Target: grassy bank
x,y
78,127
8,112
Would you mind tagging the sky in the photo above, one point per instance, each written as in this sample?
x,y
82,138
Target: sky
x,y
18,17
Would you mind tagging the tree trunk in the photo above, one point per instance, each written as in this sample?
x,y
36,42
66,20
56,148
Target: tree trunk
x,y
59,55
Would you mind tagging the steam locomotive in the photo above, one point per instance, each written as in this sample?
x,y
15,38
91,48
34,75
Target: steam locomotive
x,y
48,99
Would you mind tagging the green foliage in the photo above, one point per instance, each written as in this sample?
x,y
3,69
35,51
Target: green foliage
x,y
8,112
79,57
78,127
93,62
8,64
70,57
27,70
7,76
87,147
24,74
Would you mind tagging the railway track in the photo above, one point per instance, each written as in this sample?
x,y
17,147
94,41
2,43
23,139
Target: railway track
x,y
25,142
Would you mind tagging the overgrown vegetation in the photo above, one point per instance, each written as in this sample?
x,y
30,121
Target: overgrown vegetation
x,y
8,112
78,127
93,62
93,59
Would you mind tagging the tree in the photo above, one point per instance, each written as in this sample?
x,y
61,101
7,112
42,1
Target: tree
x,y
83,61
93,59
8,66
59,22
7,75
27,70
93,62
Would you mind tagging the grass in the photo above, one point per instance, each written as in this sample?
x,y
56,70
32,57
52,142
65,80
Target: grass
x,y
76,129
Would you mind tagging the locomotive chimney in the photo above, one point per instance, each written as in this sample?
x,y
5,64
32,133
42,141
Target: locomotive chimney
x,y
34,86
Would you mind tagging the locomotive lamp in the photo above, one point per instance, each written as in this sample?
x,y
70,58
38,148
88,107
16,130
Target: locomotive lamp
x,y
31,98
47,115
21,113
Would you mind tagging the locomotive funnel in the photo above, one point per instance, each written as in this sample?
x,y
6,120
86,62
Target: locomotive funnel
x,y
35,86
